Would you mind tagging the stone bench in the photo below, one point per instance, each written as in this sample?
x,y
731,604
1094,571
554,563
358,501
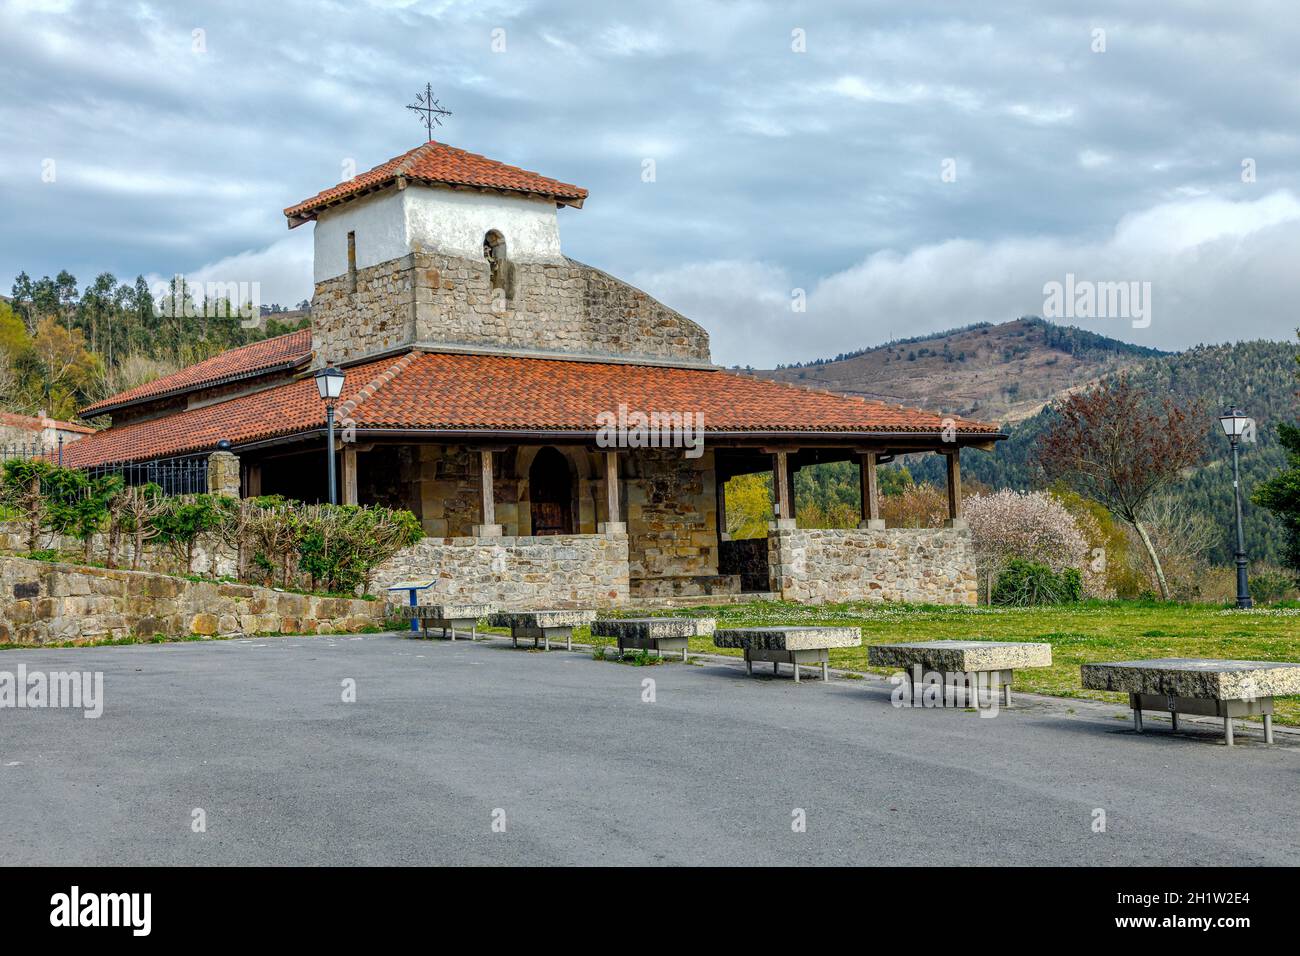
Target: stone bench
x,y
1202,686
657,634
788,645
448,617
542,625
957,659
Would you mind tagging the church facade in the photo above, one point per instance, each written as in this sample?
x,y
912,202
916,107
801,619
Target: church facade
x,y
563,437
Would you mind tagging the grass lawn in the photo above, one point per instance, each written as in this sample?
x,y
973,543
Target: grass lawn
x,y
1116,631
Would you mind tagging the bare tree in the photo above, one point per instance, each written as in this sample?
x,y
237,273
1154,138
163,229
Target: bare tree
x,y
1112,444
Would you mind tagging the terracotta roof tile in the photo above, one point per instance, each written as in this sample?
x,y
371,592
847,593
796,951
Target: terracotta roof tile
x,y
438,163
280,351
40,423
458,392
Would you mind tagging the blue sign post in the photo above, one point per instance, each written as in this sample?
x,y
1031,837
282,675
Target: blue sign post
x,y
412,587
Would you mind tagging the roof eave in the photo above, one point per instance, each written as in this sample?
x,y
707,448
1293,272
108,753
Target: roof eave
x,y
96,411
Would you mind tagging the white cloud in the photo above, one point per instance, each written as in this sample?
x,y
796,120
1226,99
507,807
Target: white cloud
x,y
1218,270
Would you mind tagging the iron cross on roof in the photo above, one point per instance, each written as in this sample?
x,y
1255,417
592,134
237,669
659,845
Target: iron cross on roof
x,y
426,104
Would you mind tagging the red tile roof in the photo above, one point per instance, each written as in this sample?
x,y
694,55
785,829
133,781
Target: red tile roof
x,y
461,392
41,422
283,351
440,164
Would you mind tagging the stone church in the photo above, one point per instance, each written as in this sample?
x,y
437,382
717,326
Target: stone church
x,y
563,437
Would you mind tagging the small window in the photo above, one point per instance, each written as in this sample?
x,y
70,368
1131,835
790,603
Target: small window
x,y
352,262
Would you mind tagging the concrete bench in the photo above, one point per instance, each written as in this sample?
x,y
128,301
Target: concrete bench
x,y
1202,686
957,659
797,646
448,617
657,634
542,625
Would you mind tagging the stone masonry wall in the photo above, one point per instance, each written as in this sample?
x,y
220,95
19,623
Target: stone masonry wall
x,y
41,602
556,571
918,565
556,306
672,514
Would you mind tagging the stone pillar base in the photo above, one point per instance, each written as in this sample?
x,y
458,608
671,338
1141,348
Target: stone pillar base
x,y
872,524
782,524
957,523
487,530
611,527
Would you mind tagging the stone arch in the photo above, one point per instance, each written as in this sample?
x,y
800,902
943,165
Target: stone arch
x,y
581,473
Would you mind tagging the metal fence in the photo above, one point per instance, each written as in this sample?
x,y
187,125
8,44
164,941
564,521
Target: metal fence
x,y
185,475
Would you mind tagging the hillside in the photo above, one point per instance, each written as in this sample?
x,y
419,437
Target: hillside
x,y
999,373
1258,376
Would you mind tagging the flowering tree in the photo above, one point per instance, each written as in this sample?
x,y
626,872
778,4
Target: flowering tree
x,y
1034,526
1113,445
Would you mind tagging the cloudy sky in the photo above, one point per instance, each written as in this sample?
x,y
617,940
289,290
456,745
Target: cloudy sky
x,y
894,168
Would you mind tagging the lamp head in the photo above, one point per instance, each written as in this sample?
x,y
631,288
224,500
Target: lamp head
x,y
329,382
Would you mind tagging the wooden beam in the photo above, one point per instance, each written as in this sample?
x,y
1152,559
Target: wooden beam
x,y
721,489
611,487
489,502
954,484
781,484
870,488
349,475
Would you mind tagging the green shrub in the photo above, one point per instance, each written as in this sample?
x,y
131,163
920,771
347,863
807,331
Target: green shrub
x,y
1026,583
1271,586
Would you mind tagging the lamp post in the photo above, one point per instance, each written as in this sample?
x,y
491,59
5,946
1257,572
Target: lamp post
x,y
329,382
1235,425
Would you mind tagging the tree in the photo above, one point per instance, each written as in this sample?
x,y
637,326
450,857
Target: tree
x,y
1030,525
183,520
1113,445
134,512
21,492
1281,494
67,372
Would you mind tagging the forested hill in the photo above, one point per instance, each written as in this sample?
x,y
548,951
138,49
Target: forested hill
x,y
63,345
1001,373
1260,377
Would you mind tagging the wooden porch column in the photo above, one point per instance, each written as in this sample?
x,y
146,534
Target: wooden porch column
x,y
870,493
489,528
614,521
349,474
781,497
955,519
721,506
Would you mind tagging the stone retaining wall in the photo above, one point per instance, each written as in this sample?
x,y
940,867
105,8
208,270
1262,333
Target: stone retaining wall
x,y
518,573
918,565
42,602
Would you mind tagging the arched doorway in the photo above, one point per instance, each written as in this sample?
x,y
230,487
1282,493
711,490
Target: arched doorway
x,y
550,492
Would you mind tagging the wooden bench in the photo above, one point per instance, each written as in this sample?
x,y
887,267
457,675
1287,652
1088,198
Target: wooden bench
x,y
448,617
958,659
796,646
542,625
657,634
1202,686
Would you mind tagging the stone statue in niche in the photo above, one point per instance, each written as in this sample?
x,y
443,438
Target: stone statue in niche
x,y
501,271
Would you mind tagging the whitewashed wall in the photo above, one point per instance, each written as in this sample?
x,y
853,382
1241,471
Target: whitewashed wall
x,y
394,223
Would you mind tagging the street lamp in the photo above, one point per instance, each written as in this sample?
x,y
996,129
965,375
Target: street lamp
x,y
329,382
1235,425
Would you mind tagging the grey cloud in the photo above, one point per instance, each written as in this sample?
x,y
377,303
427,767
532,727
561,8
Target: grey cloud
x,y
775,169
